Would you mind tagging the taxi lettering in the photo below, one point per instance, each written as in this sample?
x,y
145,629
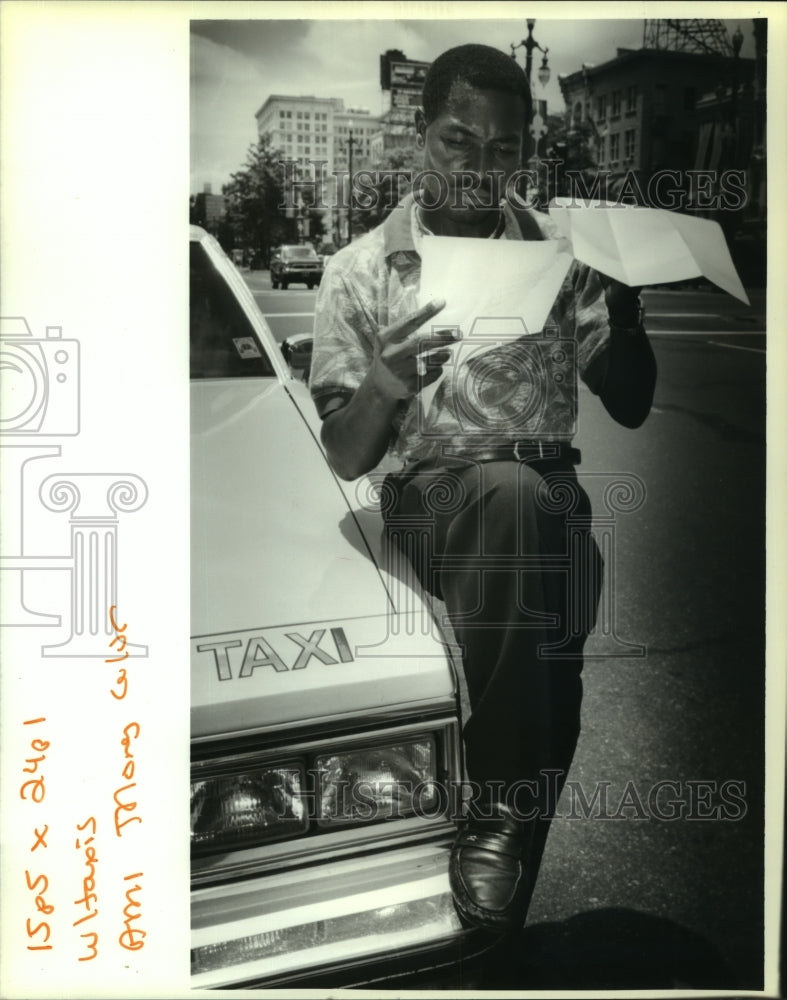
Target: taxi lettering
x,y
260,653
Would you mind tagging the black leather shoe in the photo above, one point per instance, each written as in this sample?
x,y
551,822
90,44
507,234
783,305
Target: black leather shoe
x,y
487,872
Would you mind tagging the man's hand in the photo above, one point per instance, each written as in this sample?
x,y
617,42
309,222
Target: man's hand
x,y
357,435
624,375
402,363
622,302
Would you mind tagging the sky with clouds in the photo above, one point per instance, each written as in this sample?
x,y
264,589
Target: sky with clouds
x,y
237,64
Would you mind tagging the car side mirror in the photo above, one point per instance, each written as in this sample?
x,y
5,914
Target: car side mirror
x,y
297,351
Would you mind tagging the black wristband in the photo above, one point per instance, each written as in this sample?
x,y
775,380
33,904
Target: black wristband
x,y
632,322
626,331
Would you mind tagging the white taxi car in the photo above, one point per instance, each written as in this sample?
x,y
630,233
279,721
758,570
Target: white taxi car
x,y
325,716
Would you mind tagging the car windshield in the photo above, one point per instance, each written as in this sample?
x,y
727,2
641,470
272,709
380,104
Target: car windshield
x,y
300,253
224,344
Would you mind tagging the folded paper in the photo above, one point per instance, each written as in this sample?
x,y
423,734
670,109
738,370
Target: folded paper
x,y
646,246
516,282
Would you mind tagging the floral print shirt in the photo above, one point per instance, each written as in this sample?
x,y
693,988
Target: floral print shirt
x,y
526,389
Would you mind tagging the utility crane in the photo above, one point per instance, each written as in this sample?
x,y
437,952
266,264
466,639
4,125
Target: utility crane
x,y
690,35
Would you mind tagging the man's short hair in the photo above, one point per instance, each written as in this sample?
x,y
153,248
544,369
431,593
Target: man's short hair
x,y
480,66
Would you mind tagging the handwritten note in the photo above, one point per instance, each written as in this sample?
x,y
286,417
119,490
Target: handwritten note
x,y
33,790
132,937
73,909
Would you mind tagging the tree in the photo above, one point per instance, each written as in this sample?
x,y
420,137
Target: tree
x,y
255,200
572,147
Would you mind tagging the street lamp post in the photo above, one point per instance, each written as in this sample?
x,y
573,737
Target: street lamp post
x,y
536,125
737,42
350,143
728,126
529,44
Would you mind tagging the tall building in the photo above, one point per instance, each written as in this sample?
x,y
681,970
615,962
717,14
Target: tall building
x,y
317,128
321,128
207,209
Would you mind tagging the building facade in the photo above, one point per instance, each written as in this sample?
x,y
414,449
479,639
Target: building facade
x,y
207,209
308,129
643,106
318,128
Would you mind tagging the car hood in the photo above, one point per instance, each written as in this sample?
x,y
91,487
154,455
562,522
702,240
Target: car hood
x,y
293,621
272,536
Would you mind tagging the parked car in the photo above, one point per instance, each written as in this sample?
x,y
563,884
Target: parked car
x,y
317,673
295,263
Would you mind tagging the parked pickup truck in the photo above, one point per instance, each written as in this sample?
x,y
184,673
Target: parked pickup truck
x,y
295,263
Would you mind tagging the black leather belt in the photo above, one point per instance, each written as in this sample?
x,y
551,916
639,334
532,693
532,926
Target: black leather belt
x,y
519,451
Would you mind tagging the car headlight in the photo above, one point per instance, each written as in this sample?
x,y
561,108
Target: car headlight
x,y
232,811
247,800
377,782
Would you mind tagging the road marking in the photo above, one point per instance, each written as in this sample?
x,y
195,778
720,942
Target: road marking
x,y
281,315
691,315
686,292
706,333
737,347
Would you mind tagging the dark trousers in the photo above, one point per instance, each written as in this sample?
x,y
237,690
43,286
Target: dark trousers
x,y
508,547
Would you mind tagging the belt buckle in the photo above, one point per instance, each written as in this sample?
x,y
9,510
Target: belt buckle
x,y
531,444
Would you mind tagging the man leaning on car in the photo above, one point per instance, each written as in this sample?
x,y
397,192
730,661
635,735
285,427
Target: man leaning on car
x,y
374,350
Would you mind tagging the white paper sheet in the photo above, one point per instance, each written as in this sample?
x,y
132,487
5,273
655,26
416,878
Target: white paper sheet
x,y
509,280
492,278
509,284
646,246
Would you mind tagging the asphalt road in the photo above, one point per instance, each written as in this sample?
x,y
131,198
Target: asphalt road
x,y
627,897
288,311
688,586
